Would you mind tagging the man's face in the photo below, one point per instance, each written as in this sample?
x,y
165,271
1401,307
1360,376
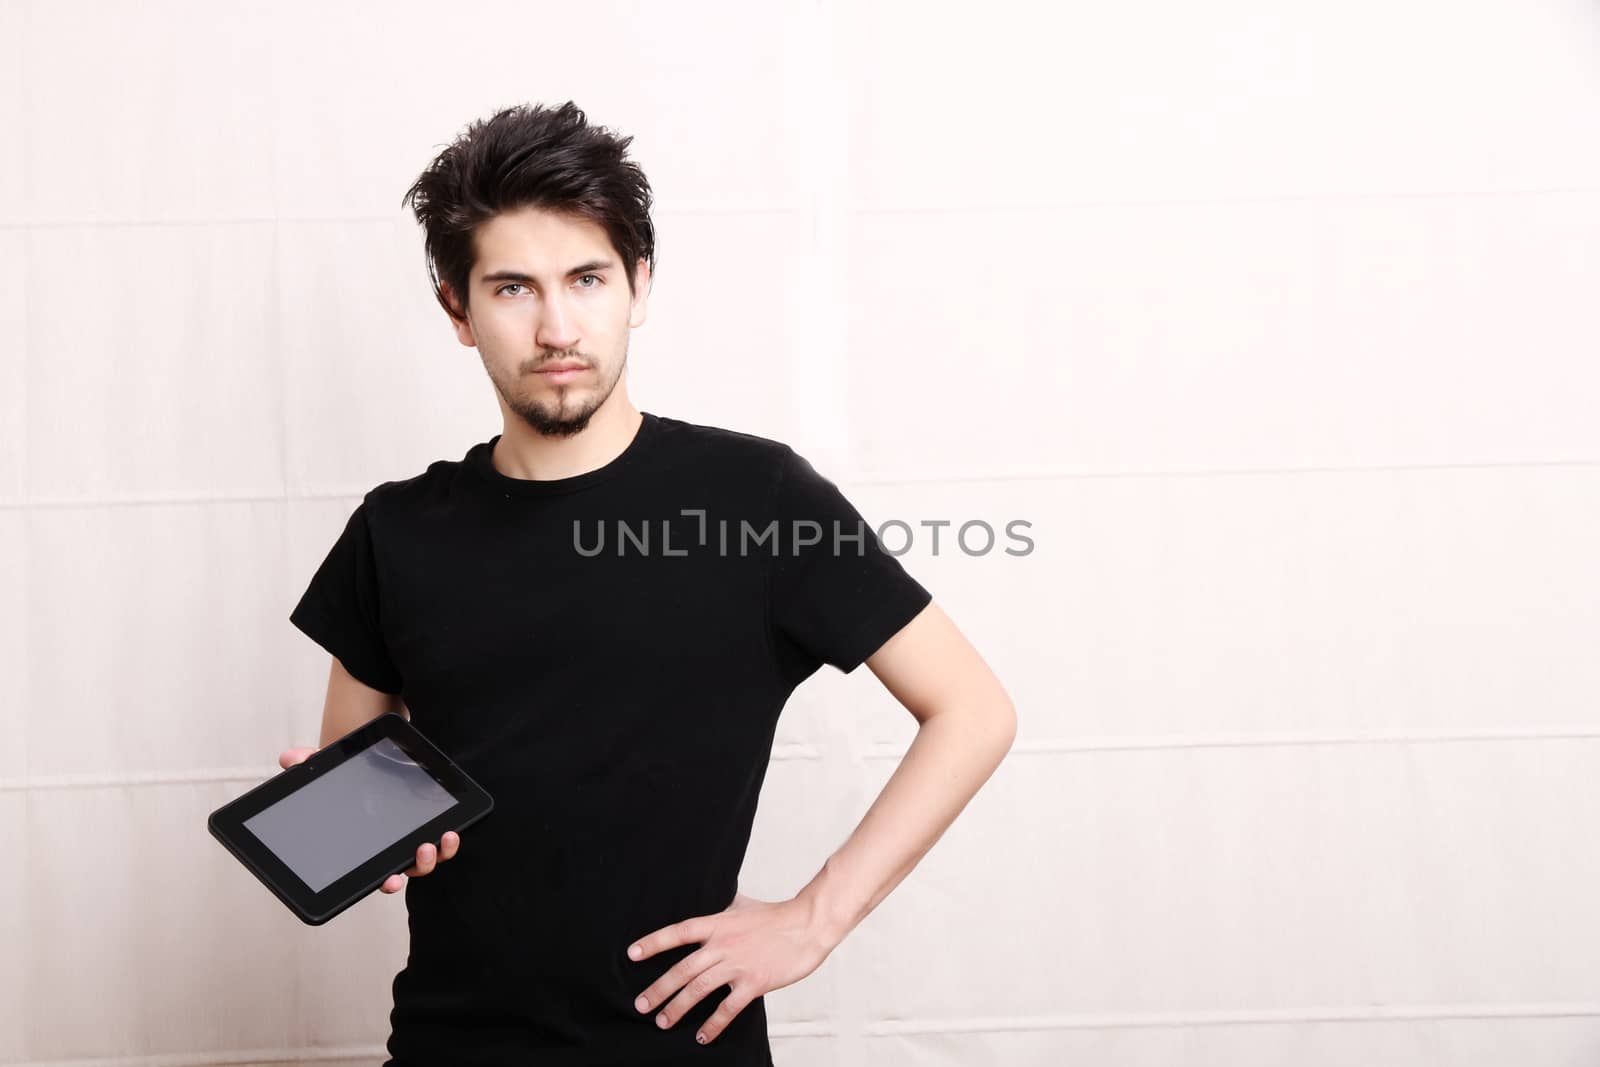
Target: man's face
x,y
549,290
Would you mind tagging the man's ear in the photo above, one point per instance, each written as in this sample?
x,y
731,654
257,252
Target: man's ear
x,y
460,323
641,293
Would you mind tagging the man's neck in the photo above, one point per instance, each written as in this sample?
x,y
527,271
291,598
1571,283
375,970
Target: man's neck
x,y
523,452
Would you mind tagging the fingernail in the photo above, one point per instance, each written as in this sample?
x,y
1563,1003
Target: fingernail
x,y
633,952
661,1021
642,1004
700,1038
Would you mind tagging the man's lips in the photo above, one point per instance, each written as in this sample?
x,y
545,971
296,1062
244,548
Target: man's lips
x,y
555,368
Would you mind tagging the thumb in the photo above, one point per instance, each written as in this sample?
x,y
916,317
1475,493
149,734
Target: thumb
x,y
289,757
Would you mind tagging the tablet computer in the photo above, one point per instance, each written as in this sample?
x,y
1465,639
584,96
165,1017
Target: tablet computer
x,y
329,830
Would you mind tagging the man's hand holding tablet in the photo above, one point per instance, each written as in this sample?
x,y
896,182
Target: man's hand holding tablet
x,y
359,814
427,855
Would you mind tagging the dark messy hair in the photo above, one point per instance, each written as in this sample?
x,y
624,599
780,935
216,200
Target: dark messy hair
x,y
529,156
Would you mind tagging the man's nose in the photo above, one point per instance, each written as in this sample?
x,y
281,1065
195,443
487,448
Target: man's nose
x,y
557,325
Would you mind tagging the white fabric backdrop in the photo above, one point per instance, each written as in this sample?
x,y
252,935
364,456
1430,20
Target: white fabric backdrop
x,y
1276,322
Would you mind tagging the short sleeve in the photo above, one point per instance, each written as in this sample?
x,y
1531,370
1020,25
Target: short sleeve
x,y
339,609
836,595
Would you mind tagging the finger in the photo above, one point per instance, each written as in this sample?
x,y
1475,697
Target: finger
x,y
449,844
426,856
688,932
657,992
393,884
731,1005
289,757
700,986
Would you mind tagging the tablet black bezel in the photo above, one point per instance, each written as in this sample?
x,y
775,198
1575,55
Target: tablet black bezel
x,y
227,822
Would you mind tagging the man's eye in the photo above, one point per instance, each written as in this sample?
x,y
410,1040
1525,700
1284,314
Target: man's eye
x,y
518,285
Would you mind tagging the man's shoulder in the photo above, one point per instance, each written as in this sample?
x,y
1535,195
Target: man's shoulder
x,y
705,441
432,483
720,436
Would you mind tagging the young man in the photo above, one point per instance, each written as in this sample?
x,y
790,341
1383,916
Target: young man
x,y
600,613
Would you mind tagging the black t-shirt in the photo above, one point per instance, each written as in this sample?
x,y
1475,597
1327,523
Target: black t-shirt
x,y
608,655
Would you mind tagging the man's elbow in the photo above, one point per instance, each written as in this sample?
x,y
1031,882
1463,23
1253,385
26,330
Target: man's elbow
x,y
991,720
1000,711
1006,724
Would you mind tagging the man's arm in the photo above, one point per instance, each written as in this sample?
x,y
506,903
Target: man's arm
x,y
966,724
351,703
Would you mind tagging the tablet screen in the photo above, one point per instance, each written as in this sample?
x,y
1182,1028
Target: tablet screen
x,y
345,817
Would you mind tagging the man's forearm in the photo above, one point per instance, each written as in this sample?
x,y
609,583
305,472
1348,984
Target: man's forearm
x,y
950,758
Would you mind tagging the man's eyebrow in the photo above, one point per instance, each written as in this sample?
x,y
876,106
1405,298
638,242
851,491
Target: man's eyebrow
x,y
518,276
